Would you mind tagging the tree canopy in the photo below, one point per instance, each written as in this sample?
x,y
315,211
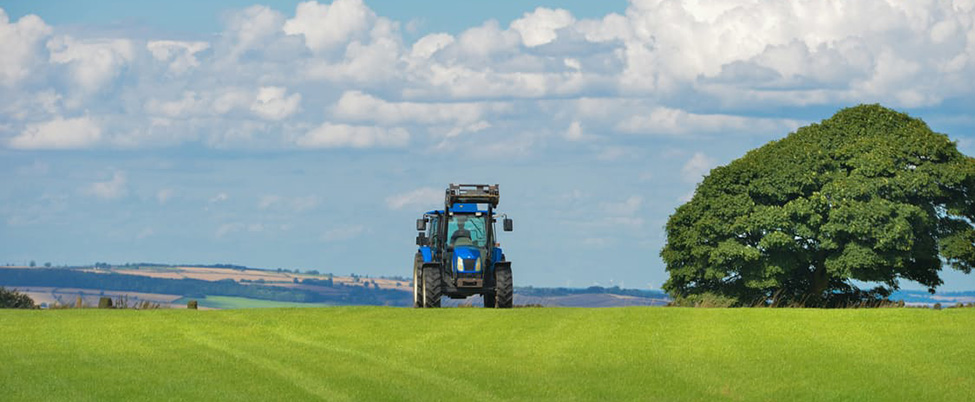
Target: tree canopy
x,y
868,196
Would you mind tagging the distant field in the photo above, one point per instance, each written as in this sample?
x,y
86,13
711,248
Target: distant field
x,y
268,276
554,354
227,302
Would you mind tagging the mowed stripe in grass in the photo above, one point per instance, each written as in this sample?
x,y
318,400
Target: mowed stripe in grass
x,y
377,353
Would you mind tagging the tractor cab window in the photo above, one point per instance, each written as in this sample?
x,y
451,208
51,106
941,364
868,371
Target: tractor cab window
x,y
433,229
474,232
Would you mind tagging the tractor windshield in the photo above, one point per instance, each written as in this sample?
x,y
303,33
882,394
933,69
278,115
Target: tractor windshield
x,y
474,232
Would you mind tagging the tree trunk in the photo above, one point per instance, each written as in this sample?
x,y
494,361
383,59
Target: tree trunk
x,y
820,281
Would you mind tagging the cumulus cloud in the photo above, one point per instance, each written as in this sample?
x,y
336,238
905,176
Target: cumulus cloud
x,y
93,63
421,197
326,26
111,189
19,45
542,25
669,121
60,133
429,45
356,105
682,69
251,28
330,135
272,103
180,55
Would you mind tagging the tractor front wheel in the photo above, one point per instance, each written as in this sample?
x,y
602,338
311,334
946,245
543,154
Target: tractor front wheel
x,y
432,286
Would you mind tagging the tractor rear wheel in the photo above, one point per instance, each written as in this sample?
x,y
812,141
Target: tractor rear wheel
x,y
432,286
417,286
489,300
503,288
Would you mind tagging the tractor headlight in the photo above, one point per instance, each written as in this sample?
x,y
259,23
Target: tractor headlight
x,y
477,265
460,264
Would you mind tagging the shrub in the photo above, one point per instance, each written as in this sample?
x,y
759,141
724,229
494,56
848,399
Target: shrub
x,y
192,304
14,299
706,300
105,302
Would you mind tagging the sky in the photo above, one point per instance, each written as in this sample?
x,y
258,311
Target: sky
x,y
311,135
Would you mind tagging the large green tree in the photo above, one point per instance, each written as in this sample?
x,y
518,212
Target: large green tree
x,y
868,196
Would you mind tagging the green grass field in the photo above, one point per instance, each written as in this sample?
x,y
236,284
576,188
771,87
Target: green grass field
x,y
376,353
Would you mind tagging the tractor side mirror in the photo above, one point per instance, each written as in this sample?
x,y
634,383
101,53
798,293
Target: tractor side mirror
x,y
421,239
421,224
509,225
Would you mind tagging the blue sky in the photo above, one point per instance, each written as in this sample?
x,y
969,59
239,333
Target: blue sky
x,y
311,135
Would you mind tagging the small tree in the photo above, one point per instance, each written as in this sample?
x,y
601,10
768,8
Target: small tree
x,y
32,264
14,299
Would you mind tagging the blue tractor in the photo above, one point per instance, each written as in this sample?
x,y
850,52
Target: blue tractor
x,y
459,255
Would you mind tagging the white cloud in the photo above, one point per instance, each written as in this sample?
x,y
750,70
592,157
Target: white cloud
x,y
180,55
428,45
697,69
330,135
93,63
272,103
669,121
356,105
541,26
377,61
326,26
189,104
696,167
487,40
252,28
220,197
229,99
575,131
111,189
60,133
19,45
422,197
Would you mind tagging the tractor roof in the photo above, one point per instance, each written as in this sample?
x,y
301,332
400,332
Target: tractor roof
x,y
472,194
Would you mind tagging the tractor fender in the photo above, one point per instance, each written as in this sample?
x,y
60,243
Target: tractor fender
x,y
426,253
499,265
496,254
